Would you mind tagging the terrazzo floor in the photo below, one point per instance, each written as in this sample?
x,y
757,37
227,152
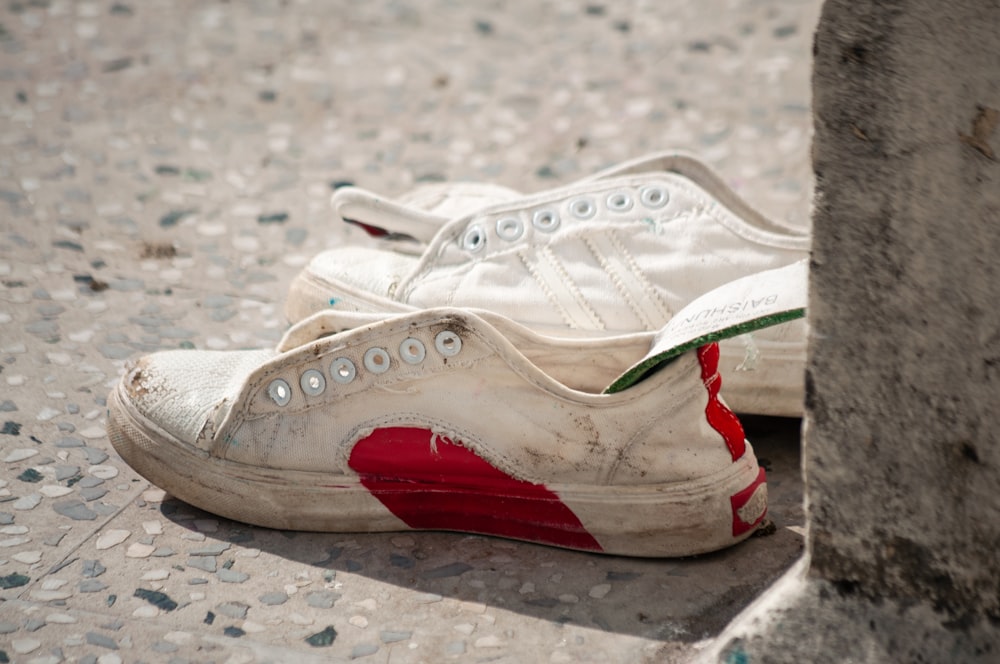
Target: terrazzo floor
x,y
165,169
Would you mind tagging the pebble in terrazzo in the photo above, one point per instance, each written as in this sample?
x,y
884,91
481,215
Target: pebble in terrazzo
x,y
164,172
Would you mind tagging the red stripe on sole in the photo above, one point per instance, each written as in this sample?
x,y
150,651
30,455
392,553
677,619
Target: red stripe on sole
x,y
757,509
431,483
719,416
750,502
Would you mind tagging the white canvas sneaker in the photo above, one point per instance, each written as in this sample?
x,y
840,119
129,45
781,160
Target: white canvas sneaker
x,y
616,253
451,419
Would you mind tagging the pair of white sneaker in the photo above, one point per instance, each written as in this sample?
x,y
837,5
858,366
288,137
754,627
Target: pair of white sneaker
x,y
502,364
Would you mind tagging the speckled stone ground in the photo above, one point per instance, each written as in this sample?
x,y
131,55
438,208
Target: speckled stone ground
x,y
165,167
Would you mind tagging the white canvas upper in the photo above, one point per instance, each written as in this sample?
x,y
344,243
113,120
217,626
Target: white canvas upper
x,y
616,253
209,399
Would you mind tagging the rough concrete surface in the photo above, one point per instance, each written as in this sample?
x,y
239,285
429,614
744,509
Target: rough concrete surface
x,y
900,450
165,168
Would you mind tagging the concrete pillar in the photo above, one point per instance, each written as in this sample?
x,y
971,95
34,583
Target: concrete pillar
x,y
901,448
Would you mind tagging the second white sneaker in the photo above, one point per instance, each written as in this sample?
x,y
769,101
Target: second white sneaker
x,y
616,253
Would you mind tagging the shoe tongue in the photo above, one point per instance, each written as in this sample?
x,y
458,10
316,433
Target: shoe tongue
x,y
747,304
419,214
323,324
457,199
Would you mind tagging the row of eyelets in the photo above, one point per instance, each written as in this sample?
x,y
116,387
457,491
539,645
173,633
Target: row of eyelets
x,y
547,220
376,360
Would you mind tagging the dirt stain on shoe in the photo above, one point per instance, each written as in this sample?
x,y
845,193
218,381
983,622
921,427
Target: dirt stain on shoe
x,y
136,382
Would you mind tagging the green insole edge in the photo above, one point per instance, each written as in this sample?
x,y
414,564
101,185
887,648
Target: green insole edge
x,y
654,362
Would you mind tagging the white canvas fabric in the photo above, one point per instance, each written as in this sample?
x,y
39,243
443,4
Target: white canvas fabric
x,y
616,253
448,419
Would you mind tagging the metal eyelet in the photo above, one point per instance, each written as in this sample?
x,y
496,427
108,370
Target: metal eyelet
x,y
412,351
342,370
582,208
448,343
377,360
510,228
619,202
654,197
545,220
312,382
474,238
280,392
